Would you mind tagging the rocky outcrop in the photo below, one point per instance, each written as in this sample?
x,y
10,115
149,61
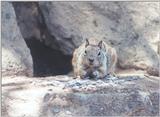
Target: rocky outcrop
x,y
126,26
65,96
29,19
131,27
16,57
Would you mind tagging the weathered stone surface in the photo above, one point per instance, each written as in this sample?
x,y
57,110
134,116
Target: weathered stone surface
x,y
29,19
64,96
131,27
16,57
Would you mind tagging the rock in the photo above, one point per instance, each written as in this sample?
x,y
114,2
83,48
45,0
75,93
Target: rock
x,y
128,27
135,36
131,27
113,96
16,57
29,19
31,23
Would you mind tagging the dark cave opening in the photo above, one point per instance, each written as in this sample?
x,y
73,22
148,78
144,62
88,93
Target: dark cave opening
x,y
47,61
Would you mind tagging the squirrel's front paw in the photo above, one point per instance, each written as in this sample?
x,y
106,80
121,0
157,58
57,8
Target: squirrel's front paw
x,y
95,74
83,75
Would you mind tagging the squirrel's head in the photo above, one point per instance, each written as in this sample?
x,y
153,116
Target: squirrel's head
x,y
93,55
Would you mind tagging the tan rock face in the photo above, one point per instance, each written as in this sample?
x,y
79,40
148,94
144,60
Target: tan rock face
x,y
16,57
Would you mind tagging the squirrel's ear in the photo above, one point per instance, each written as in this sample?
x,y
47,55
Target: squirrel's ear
x,y
87,42
100,44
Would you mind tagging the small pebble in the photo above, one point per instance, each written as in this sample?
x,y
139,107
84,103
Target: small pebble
x,y
68,113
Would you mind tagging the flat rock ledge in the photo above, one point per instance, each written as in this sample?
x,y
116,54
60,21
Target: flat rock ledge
x,y
65,96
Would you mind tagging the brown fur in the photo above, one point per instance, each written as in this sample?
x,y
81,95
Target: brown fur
x,y
104,63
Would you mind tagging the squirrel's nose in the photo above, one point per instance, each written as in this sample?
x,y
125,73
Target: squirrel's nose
x,y
91,60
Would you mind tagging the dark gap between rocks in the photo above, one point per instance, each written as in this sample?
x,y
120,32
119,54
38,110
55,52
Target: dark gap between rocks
x,y
47,61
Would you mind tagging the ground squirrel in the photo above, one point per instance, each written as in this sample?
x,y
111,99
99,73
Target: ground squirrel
x,y
94,60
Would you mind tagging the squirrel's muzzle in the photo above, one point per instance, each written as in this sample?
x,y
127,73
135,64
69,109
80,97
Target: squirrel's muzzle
x,y
91,60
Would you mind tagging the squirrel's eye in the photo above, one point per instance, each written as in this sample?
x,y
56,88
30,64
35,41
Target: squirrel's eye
x,y
99,53
85,52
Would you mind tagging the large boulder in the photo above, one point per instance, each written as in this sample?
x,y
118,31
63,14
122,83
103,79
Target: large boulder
x,y
29,19
16,57
131,27
65,96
